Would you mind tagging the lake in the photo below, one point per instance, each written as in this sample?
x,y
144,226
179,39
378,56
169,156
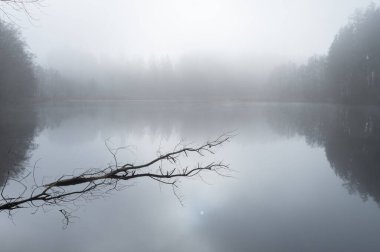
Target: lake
x,y
304,177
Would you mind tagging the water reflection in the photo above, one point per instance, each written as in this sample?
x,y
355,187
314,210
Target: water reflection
x,y
353,149
286,197
349,135
18,127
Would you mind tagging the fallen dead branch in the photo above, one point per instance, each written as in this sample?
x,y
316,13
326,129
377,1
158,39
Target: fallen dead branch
x,y
97,182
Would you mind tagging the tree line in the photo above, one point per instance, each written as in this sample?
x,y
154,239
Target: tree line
x,y
349,74
17,76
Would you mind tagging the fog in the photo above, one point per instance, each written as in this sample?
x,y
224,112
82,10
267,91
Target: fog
x,y
289,30
181,49
108,110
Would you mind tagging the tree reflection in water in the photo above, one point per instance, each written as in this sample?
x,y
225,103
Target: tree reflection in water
x,y
18,127
349,135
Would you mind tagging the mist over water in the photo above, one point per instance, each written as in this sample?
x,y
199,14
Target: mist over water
x,y
93,89
305,178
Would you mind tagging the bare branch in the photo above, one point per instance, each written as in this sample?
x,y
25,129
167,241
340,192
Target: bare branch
x,y
8,6
94,183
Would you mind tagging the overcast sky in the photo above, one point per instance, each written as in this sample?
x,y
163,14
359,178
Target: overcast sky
x,y
293,29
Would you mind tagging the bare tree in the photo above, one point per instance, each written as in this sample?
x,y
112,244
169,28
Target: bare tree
x,y
96,182
19,4
7,6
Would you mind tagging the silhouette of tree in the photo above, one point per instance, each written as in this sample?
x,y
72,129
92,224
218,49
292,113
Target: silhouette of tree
x,y
354,59
349,73
17,81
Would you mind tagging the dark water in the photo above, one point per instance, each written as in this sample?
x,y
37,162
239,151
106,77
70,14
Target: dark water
x,y
306,178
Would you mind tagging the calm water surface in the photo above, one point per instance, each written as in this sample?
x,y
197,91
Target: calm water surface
x,y
306,177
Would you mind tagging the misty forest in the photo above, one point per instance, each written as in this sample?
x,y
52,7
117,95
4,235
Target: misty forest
x,y
189,125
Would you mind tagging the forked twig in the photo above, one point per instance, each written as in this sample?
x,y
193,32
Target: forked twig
x,y
94,183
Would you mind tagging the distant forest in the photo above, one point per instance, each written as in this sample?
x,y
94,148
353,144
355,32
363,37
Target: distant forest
x,y
348,74
18,82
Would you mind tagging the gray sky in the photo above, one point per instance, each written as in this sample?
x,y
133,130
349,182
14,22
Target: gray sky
x,y
293,29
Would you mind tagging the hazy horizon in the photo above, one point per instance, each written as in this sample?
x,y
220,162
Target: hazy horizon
x,y
144,30
199,125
